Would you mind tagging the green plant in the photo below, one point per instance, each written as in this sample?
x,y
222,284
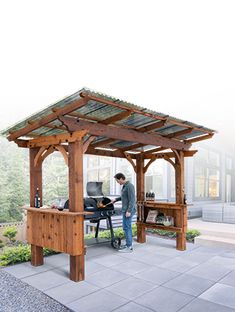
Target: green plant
x,y
1,243
10,232
191,234
20,253
118,232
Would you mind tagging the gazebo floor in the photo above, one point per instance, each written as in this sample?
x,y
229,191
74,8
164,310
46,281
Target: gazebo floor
x,y
155,277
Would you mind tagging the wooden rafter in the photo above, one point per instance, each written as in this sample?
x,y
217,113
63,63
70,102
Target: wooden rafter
x,y
200,138
115,118
104,142
120,133
178,133
47,119
153,126
155,150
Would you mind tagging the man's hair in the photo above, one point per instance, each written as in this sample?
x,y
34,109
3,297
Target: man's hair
x,y
119,176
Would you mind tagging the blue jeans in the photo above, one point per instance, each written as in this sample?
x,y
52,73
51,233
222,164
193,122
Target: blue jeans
x,y
126,225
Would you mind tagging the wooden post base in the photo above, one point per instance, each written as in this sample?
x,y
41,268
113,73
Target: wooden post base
x,y
141,235
181,241
77,268
36,255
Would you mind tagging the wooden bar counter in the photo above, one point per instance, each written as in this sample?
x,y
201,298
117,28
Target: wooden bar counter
x,y
54,229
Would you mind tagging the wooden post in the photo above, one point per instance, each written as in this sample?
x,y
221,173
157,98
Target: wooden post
x,y
35,182
141,236
77,265
181,216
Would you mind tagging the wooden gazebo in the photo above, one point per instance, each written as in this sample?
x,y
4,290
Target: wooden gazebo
x,y
94,123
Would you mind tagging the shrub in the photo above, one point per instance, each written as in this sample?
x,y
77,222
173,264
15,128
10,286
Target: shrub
x,y
190,234
1,243
117,233
10,232
20,253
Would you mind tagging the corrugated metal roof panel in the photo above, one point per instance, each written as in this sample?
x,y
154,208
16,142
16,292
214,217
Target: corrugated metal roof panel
x,y
100,111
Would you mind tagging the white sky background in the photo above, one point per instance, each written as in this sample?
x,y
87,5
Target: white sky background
x,y
175,57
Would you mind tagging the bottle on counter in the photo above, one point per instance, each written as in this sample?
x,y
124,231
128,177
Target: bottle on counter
x,y
153,196
185,199
147,196
37,199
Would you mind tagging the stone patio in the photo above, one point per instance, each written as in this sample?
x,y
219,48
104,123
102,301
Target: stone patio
x,y
155,277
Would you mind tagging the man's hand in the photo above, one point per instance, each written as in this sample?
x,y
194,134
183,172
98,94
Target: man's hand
x,y
128,214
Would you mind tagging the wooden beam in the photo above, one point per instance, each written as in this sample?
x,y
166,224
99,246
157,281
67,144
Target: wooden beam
x,y
115,118
120,133
57,139
201,138
150,152
153,126
104,142
178,133
170,154
45,120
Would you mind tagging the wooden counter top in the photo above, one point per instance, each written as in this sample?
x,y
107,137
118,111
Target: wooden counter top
x,y
55,211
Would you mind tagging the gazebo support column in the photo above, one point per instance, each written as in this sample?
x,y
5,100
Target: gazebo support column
x,y
141,236
35,182
77,266
181,217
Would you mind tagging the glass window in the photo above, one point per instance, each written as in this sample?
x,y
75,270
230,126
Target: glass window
x,y
207,175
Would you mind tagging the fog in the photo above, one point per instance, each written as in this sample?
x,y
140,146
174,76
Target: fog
x,y
175,57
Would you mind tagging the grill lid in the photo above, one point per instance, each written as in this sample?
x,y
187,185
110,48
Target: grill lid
x,y
94,189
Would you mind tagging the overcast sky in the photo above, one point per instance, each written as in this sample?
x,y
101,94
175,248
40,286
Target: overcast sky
x,y
175,57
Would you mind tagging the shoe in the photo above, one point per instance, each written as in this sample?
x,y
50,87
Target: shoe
x,y
122,247
126,250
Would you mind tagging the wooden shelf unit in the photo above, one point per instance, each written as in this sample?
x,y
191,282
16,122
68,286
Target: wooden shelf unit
x,y
177,211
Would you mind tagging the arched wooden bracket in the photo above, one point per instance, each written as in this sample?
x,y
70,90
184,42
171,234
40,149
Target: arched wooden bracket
x,y
61,149
152,159
128,157
45,151
39,154
87,143
169,160
177,155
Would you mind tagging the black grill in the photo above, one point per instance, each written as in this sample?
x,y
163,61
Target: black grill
x,y
92,204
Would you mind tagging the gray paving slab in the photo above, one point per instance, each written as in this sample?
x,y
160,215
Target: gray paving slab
x,y
220,294
198,305
109,260
191,285
46,280
131,267
228,254
210,271
157,275
178,264
71,291
229,279
162,299
223,261
152,259
106,277
132,306
197,257
26,269
100,301
57,260
131,288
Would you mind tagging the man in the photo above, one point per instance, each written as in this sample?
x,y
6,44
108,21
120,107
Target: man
x,y
128,208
